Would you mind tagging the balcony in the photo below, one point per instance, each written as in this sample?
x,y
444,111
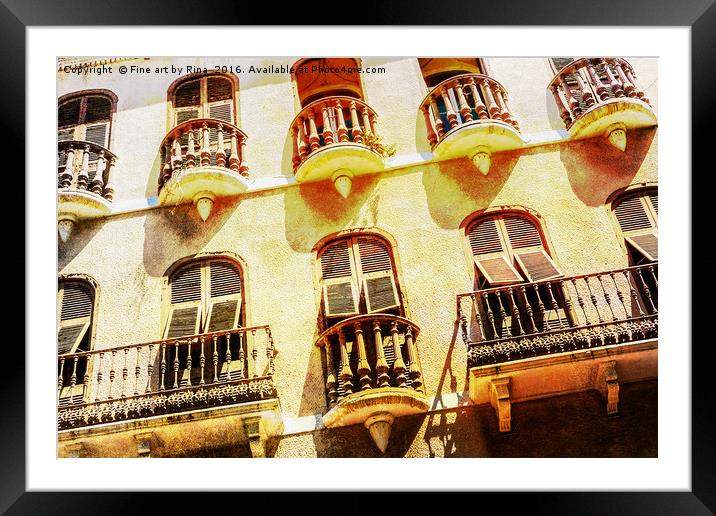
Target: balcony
x,y
84,187
600,97
336,138
202,159
468,116
219,383
571,334
373,373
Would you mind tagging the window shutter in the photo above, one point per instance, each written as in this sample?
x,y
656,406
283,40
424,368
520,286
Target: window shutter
x,y
337,270
631,215
647,245
98,135
654,198
185,313
98,109
498,271
188,94
68,113
225,296
537,265
484,237
65,135
379,286
522,232
218,88
75,316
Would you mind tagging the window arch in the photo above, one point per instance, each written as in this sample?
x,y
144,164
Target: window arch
x,y
509,248
204,96
75,319
437,69
327,77
86,116
637,214
358,277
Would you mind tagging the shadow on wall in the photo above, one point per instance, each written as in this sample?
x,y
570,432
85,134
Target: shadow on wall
x,y
178,232
314,210
355,441
82,234
422,144
555,121
313,396
153,180
286,155
596,169
455,189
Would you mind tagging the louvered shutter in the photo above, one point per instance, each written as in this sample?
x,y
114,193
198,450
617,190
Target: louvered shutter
x,y
491,259
225,296
97,134
76,301
185,312
638,223
521,232
187,101
68,113
537,265
338,278
99,109
65,135
379,288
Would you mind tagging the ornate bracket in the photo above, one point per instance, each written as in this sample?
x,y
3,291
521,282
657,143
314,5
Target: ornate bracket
x,y
500,401
608,385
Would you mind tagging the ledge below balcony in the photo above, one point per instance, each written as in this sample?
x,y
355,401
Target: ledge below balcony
x,y
81,204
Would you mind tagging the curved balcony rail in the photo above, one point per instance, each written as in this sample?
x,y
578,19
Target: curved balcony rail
x,y
165,376
331,121
370,351
85,166
203,142
587,83
579,312
464,99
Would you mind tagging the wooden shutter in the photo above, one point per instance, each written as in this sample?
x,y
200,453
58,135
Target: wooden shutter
x,y
537,265
68,113
225,296
491,258
498,271
185,312
187,101
637,217
76,303
484,237
521,232
379,288
339,277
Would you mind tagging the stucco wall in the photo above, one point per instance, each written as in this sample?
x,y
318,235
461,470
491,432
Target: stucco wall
x,y
421,207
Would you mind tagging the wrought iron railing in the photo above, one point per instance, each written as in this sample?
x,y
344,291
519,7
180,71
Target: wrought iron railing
x,y
165,376
370,351
530,319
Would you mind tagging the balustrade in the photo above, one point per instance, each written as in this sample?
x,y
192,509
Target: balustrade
x,y
465,99
368,352
165,376
587,83
329,121
201,143
85,166
528,319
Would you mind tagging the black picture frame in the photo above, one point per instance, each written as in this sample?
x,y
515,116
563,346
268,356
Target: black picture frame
x,y
700,15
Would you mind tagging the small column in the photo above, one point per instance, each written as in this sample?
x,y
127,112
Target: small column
x,y
342,130
465,110
415,372
327,129
331,370
83,176
597,82
480,108
449,112
492,107
629,88
205,151
243,164
430,125
191,150
439,125
381,366
313,139
97,180
346,373
65,177
363,366
399,364
234,152
220,153
356,131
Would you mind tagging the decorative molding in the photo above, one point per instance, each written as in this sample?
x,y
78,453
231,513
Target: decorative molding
x,y
159,403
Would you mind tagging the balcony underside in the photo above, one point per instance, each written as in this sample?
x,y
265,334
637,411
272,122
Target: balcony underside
x,y
463,140
77,205
176,423
357,158
626,112
190,184
357,408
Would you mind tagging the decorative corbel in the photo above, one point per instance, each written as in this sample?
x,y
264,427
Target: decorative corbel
x,y
500,401
608,385
257,441
144,444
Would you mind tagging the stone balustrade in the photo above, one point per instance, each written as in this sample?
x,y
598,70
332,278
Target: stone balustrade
x,y
85,167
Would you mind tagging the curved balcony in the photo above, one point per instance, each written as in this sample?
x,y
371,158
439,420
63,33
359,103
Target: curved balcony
x,y
336,138
600,96
202,159
373,373
468,116
84,188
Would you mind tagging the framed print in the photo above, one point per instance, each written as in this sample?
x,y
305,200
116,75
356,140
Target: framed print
x,y
271,252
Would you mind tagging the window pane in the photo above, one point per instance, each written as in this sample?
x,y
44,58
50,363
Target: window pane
x,y
188,94
68,113
98,109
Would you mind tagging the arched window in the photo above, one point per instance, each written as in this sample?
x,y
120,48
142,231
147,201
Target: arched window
x,y
75,306
209,96
637,215
86,117
206,296
358,277
327,77
508,249
437,69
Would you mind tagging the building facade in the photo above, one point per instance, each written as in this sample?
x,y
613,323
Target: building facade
x,y
369,257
